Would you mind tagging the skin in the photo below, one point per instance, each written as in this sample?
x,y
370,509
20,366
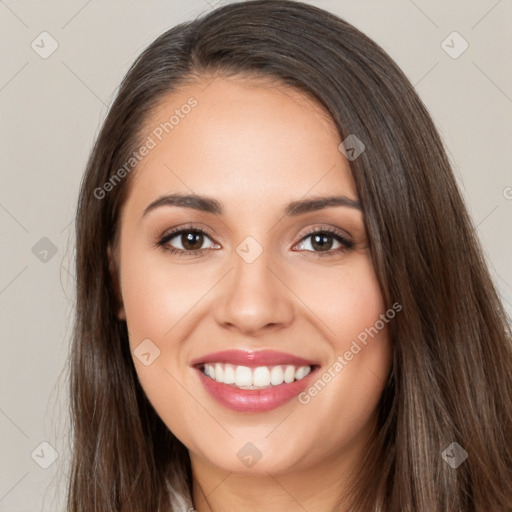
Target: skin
x,y
254,147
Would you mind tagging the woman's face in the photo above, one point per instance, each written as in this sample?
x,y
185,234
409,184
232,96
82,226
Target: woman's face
x,y
263,269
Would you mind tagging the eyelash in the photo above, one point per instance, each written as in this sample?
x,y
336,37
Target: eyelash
x,y
162,243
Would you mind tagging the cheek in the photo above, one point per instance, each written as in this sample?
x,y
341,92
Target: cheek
x,y
158,295
353,379
158,299
345,300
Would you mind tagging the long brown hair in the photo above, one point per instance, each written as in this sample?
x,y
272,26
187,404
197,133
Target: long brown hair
x,y
451,378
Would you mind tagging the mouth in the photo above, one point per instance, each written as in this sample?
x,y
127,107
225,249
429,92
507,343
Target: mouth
x,y
254,381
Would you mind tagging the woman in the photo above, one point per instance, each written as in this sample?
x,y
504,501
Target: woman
x,y
281,300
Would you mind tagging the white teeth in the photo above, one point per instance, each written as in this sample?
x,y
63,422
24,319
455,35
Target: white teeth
x,y
261,376
289,374
219,372
210,370
229,374
302,372
276,376
243,376
255,378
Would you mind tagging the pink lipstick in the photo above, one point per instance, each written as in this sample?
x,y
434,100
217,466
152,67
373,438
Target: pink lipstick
x,y
254,381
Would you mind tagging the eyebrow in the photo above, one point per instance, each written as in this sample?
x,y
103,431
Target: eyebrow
x,y
213,206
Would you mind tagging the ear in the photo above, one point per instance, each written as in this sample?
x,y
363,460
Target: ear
x,y
114,274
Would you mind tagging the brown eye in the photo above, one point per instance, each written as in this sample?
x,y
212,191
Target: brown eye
x,y
185,241
324,241
192,241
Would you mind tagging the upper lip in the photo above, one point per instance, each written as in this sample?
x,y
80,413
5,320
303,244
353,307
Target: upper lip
x,y
252,358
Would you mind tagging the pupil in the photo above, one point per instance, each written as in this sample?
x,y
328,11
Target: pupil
x,y
188,240
319,242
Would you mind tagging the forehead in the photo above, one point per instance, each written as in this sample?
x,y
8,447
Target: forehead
x,y
251,144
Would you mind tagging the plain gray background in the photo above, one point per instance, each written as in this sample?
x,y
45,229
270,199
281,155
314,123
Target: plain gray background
x,y
51,111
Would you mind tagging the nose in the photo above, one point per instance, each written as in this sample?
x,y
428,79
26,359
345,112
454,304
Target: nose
x,y
254,298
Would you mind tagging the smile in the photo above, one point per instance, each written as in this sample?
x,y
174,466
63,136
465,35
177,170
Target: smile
x,y
254,381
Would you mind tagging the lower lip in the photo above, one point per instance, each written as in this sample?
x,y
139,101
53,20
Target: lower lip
x,y
254,400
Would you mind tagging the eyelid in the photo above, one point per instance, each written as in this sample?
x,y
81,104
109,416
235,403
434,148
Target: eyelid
x,y
326,228
185,228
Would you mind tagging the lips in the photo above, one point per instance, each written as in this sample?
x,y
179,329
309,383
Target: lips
x,y
253,359
250,397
